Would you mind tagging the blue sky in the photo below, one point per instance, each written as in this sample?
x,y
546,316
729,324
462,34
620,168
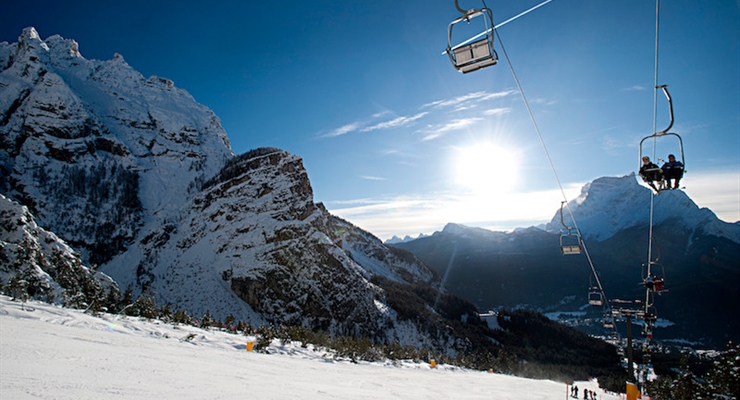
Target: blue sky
x,y
397,141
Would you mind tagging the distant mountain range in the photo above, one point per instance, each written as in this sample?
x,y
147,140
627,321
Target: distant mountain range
x,y
698,254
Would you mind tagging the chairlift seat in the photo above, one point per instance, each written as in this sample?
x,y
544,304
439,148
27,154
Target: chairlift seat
x,y
569,249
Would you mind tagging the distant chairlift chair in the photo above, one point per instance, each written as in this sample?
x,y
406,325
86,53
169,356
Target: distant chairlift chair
x,y
570,238
594,296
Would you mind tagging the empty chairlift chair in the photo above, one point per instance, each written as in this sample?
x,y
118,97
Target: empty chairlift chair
x,y
570,238
570,241
594,297
469,57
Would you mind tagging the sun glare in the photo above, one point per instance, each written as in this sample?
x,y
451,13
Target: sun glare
x,y
486,168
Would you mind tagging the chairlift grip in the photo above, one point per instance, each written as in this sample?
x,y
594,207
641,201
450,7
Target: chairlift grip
x,y
463,12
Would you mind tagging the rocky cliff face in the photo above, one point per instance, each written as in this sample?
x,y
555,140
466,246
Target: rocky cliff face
x,y
254,244
95,150
140,179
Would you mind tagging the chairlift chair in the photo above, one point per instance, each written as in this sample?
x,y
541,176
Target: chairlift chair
x,y
469,57
594,296
570,238
665,132
654,279
570,241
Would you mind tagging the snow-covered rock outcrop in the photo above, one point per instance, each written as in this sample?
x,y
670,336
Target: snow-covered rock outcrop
x,y
253,243
95,150
37,263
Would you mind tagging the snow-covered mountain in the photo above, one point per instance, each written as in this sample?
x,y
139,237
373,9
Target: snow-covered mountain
x,y
609,205
140,179
694,251
407,238
95,150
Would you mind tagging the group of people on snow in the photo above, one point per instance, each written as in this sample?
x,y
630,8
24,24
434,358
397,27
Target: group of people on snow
x,y
587,394
670,173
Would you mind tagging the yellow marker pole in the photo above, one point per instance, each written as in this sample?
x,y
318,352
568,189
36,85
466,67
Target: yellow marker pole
x,y
633,393
433,363
250,346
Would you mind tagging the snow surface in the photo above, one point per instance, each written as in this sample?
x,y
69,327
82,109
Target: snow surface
x,y
52,352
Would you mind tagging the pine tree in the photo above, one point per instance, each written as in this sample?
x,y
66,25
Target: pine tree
x,y
181,317
229,322
114,299
723,380
144,306
205,321
128,298
165,313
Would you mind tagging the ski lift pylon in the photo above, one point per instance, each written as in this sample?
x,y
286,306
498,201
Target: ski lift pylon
x,y
469,57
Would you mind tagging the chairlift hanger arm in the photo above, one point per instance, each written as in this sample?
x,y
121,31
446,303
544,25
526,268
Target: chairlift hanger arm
x,y
465,13
562,221
665,132
499,25
670,109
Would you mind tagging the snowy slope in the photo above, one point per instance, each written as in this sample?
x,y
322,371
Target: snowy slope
x,y
51,352
608,205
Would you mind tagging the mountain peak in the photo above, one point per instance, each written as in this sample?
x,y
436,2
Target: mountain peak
x,y
28,33
607,205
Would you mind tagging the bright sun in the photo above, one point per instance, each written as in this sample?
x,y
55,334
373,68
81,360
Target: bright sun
x,y
486,168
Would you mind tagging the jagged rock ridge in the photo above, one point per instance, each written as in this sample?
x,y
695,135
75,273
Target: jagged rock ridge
x,y
95,150
140,178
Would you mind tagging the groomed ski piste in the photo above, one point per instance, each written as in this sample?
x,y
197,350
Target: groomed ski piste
x,y
52,352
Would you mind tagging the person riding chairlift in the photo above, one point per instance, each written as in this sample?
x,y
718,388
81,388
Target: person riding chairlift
x,y
672,170
651,173
654,283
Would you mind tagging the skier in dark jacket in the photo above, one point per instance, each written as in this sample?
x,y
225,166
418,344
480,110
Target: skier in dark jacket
x,y
672,170
650,173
